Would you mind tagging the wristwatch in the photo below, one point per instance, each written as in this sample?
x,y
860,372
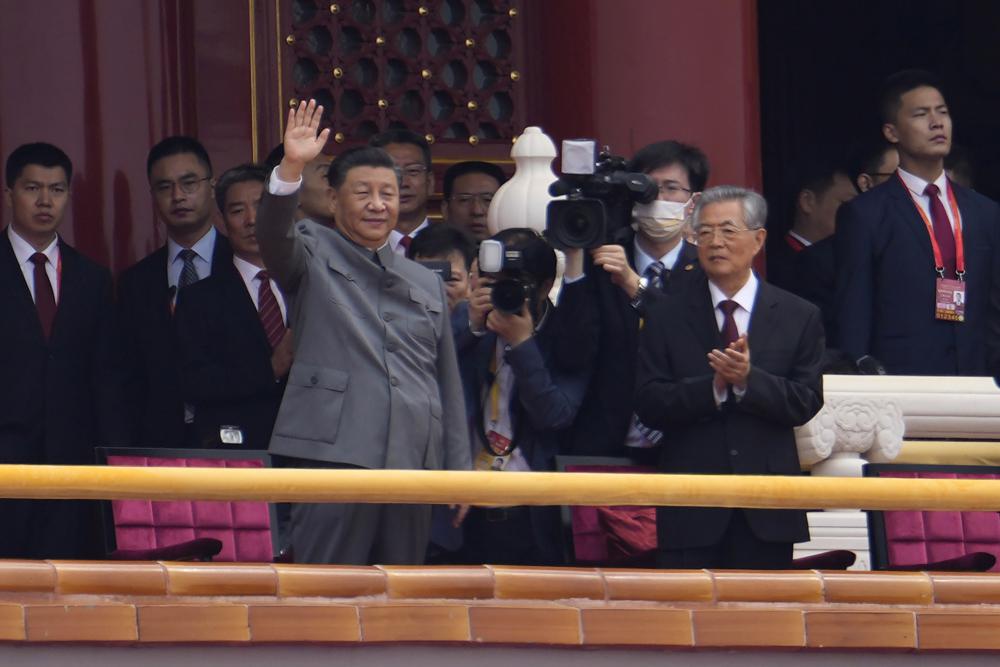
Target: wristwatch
x,y
637,299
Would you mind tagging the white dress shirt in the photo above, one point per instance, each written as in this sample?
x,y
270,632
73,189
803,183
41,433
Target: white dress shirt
x,y
917,185
744,300
23,252
395,237
203,250
643,260
248,272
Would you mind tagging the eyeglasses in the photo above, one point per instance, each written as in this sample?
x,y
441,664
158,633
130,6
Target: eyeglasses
x,y
706,233
672,189
413,170
188,185
465,199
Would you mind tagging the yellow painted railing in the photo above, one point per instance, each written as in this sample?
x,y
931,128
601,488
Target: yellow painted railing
x,y
499,488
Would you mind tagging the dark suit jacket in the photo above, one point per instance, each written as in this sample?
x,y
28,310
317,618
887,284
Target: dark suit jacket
x,y
226,360
752,436
885,292
603,421
59,398
154,382
545,400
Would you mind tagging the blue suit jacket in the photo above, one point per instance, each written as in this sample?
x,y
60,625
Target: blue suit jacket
x,y
544,402
885,290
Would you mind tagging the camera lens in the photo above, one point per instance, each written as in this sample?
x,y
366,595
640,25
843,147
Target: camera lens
x,y
575,223
508,295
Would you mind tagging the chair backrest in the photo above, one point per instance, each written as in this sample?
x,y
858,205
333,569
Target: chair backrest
x,y
900,538
607,535
247,529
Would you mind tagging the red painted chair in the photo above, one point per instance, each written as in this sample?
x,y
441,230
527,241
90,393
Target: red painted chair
x,y
940,540
625,536
241,531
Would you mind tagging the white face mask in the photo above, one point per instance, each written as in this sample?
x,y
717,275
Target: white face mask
x,y
660,220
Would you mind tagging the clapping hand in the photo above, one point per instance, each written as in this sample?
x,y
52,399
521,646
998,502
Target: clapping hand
x,y
301,141
731,365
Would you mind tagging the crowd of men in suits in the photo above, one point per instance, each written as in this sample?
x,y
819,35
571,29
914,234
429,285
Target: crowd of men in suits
x,y
339,327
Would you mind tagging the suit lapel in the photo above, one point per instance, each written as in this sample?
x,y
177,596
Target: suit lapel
x,y
70,291
17,289
910,217
763,317
702,320
237,299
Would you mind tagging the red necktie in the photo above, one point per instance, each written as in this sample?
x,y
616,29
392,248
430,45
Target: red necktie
x,y
729,331
45,299
405,242
270,313
942,229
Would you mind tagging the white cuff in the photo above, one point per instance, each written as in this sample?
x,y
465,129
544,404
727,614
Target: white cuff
x,y
276,186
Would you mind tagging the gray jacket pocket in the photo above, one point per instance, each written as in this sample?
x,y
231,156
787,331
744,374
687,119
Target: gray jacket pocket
x,y
313,402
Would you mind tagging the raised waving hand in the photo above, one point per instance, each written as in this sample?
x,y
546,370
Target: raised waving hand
x,y
301,142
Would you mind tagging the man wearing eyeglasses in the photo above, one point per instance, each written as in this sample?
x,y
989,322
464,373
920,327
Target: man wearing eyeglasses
x,y
180,181
412,155
627,275
467,191
727,368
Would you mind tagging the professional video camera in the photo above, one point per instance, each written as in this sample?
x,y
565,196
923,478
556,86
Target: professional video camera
x,y
599,196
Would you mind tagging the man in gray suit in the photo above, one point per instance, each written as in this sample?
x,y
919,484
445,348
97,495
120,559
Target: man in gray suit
x,y
375,381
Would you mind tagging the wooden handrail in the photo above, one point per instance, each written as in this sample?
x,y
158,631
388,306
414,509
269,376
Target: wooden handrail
x,y
495,488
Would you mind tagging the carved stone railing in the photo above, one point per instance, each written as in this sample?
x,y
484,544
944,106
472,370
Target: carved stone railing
x,y
865,418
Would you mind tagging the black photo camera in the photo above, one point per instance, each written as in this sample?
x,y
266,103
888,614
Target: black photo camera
x,y
599,193
508,293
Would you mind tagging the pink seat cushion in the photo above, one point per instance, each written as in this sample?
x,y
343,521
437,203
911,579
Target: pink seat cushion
x,y
593,527
244,528
914,538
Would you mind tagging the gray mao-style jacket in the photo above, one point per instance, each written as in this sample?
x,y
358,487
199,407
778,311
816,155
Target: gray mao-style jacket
x,y
375,380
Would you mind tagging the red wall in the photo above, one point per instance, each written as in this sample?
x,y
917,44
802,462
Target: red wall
x,y
631,72
106,79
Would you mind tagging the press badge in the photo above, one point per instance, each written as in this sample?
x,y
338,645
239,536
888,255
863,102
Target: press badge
x,y
950,301
487,460
231,435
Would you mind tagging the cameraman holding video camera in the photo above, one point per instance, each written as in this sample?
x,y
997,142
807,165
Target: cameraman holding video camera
x,y
518,397
640,262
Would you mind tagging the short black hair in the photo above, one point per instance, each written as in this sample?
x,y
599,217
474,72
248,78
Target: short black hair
x,y
459,169
177,145
273,158
402,136
240,174
39,153
361,156
867,156
537,256
662,153
817,175
440,240
900,83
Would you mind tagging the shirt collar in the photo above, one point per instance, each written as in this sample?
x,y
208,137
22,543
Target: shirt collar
x,y
395,236
203,247
643,260
917,185
247,270
744,298
24,250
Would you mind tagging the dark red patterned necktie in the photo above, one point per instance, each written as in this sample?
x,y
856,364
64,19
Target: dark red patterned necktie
x,y
405,242
729,331
942,229
45,299
270,313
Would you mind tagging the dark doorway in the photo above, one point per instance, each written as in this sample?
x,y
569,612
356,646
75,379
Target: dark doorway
x,y
822,64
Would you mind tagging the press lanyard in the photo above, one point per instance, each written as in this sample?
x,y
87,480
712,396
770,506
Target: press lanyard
x,y
959,245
